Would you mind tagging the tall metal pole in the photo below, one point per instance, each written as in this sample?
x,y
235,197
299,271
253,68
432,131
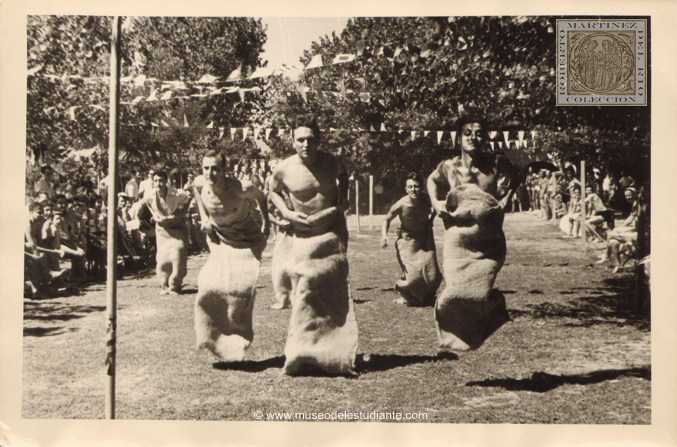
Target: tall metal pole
x,y
111,270
357,203
371,201
582,217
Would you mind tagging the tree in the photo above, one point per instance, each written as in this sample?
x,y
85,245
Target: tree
x,y
68,91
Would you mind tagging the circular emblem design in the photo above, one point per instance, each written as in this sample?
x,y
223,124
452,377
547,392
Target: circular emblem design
x,y
601,63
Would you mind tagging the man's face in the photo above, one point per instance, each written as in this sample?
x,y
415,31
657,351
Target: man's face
x,y
629,196
61,205
160,183
151,174
305,143
472,137
47,211
588,191
57,219
413,188
212,170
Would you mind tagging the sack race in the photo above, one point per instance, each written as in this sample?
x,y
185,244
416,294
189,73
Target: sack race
x,y
280,267
226,291
322,330
469,310
421,274
172,255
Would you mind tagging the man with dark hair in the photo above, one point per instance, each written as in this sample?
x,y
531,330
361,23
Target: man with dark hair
x,y
146,186
227,282
168,206
322,331
469,310
415,245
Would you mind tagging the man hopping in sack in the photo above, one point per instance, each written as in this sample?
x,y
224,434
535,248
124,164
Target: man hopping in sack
x,y
469,309
227,282
322,331
415,245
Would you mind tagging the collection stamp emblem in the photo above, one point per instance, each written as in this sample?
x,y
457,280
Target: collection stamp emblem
x,y
602,62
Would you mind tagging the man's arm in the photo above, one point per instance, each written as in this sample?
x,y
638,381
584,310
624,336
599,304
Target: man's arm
x,y
394,211
276,187
251,191
31,244
438,205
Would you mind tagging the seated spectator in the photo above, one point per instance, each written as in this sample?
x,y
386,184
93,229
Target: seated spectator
x,y
570,223
623,239
596,214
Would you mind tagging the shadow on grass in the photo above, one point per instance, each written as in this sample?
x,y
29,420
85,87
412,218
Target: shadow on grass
x,y
379,362
42,331
614,304
251,365
541,382
50,311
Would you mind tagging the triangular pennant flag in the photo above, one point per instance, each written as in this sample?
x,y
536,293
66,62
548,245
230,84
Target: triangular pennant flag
x,y
492,134
371,128
500,144
235,75
331,129
245,133
163,123
425,133
413,135
383,127
439,136
520,137
262,72
94,106
506,135
34,70
241,92
207,79
342,87
492,146
268,130
533,135
152,96
138,99
232,133
379,52
453,136
382,102
210,125
185,121
140,80
167,95
315,62
397,52
221,129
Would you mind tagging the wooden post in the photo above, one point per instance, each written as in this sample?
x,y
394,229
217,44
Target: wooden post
x,y
111,270
357,203
371,201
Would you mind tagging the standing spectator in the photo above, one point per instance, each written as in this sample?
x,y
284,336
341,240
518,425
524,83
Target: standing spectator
x,y
543,183
624,237
132,186
44,185
146,186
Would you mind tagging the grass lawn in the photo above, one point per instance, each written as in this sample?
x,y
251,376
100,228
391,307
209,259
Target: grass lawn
x,y
576,351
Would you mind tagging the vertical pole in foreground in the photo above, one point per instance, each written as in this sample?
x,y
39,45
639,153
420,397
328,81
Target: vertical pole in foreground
x,y
357,203
371,201
584,230
111,269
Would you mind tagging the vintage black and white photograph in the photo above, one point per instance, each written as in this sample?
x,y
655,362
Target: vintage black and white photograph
x,y
416,219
